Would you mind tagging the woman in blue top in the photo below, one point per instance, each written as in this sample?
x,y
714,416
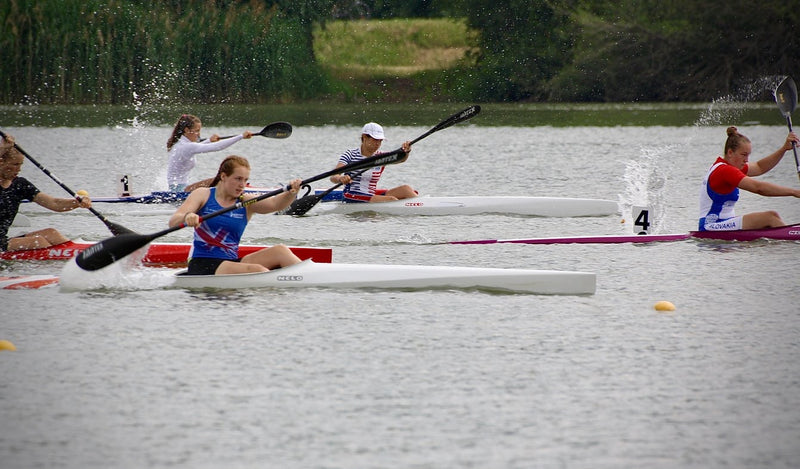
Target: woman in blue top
x,y
215,249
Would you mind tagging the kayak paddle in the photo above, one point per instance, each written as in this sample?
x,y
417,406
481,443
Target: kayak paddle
x,y
273,130
786,98
113,249
113,227
305,203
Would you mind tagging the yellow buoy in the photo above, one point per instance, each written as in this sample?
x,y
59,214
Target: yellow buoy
x,y
83,192
6,345
664,306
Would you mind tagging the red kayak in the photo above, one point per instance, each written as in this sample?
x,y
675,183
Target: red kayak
x,y
24,282
158,254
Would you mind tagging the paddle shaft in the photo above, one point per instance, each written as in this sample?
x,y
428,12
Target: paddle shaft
x,y
460,116
786,99
111,250
113,227
794,147
306,203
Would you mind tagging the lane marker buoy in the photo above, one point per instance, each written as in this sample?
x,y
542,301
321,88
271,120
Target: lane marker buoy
x,y
664,306
6,345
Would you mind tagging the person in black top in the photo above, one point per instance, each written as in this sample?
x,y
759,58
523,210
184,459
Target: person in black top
x,y
14,189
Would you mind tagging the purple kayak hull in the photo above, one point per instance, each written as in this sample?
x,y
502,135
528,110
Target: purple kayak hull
x,y
786,233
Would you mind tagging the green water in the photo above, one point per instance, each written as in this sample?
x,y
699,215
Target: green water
x,y
493,114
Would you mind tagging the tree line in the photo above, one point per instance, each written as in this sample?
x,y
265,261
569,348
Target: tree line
x,y
104,51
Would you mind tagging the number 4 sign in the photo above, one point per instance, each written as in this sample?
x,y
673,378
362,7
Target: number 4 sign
x,y
641,223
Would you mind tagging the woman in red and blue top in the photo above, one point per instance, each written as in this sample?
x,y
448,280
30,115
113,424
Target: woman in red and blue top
x,y
363,185
215,249
730,173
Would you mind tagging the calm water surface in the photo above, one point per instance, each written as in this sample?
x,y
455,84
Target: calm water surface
x,y
138,376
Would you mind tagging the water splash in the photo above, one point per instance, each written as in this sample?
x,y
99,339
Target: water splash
x,y
731,107
646,182
149,102
126,274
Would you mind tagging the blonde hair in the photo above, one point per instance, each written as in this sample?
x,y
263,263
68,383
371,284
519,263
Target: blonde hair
x,y
228,165
735,140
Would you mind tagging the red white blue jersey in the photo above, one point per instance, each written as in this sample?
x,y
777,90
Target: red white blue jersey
x,y
719,194
219,237
364,185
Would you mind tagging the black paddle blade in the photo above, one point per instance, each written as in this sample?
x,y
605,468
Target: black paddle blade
x,y
110,250
302,205
786,96
276,130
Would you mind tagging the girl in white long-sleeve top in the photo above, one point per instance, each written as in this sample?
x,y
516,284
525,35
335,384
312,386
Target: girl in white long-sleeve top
x,y
183,146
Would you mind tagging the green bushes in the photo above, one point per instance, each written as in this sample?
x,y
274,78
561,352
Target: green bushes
x,y
93,51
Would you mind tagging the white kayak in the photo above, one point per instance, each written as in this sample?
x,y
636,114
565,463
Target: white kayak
x,y
473,205
311,274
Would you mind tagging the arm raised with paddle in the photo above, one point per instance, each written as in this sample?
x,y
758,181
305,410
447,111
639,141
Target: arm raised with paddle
x,y
305,203
185,143
110,250
115,228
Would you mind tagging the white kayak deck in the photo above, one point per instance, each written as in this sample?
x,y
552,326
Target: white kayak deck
x,y
473,205
310,274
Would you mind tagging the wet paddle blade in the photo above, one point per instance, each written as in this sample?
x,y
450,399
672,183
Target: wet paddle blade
x,y
786,96
276,130
110,250
302,205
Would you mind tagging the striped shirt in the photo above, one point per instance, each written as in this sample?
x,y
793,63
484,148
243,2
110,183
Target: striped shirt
x,y
365,183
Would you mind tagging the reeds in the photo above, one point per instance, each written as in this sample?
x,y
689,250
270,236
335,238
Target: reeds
x,y
93,52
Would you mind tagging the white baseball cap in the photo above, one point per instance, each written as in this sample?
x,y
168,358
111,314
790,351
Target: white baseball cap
x,y
373,130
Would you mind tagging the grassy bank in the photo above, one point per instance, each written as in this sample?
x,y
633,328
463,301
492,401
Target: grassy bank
x,y
392,60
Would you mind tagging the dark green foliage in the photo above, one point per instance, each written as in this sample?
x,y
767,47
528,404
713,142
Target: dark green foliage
x,y
630,50
523,43
256,51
